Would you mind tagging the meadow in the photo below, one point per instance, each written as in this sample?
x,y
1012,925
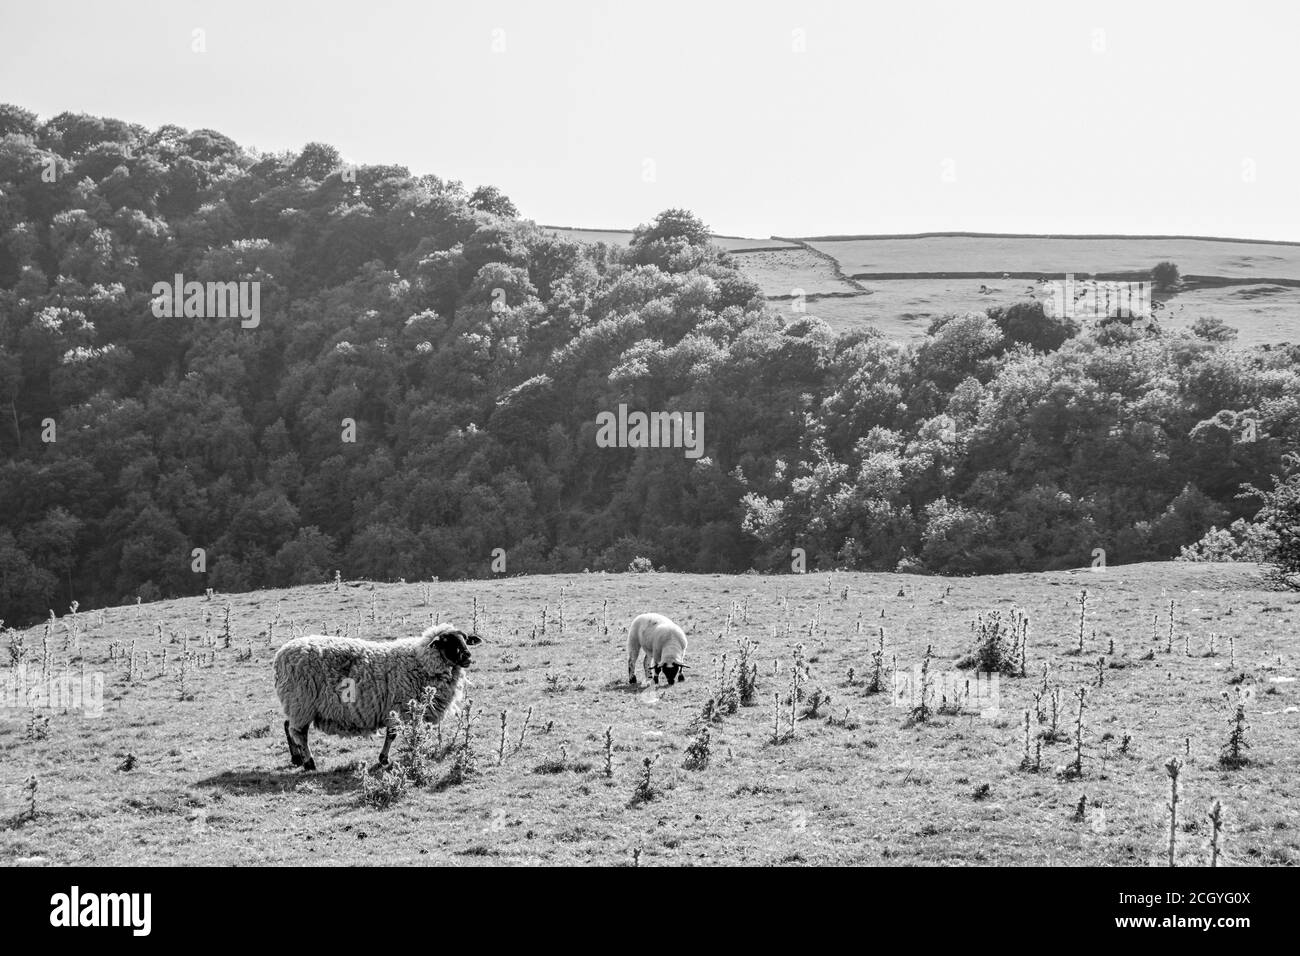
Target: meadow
x,y
188,764
1055,256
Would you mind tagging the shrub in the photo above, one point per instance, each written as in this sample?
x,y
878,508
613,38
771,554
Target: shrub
x,y
1213,330
1240,541
1165,276
1027,322
995,645
697,752
1281,517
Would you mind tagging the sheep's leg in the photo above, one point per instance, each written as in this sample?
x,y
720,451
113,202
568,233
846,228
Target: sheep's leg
x,y
649,673
300,746
390,734
631,664
295,752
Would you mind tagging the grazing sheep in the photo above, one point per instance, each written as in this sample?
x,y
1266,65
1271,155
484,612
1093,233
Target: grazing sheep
x,y
664,645
354,687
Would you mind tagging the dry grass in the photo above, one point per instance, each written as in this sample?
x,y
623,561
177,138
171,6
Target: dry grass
x,y
1055,257
211,780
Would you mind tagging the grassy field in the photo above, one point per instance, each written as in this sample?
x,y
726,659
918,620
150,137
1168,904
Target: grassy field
x,y
780,272
903,308
1056,257
206,779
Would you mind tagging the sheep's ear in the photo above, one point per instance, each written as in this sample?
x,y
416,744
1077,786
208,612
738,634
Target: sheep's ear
x,y
472,639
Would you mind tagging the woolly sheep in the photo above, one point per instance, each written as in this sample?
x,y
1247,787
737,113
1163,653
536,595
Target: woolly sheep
x,y
353,687
664,645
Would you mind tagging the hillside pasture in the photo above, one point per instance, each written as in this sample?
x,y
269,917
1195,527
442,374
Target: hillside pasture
x,y
780,272
1054,258
199,774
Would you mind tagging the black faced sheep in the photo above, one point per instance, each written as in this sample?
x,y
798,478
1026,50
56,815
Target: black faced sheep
x,y
664,645
353,687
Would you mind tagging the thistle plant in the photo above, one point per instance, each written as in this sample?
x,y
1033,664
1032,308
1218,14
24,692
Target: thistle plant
x,y
921,712
1169,645
523,731
876,684
697,752
1215,817
1077,767
996,644
1083,615
1233,754
746,671
1173,767
645,789
1024,760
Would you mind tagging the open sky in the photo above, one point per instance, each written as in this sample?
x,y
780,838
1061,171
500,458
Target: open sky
x,y
762,116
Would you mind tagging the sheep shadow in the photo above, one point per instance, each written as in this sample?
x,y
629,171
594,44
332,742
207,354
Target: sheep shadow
x,y
621,684
252,782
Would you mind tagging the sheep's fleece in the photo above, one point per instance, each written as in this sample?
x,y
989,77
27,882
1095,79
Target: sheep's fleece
x,y
349,686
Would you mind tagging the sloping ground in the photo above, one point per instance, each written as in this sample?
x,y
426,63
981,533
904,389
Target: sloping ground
x,y
1262,314
779,273
903,308
212,783
1054,257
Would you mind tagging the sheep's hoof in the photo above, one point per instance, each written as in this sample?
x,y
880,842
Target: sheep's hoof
x,y
309,764
383,760
631,680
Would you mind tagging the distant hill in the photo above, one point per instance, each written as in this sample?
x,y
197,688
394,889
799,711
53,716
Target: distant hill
x,y
899,283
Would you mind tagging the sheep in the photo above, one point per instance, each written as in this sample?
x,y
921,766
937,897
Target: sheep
x,y
353,687
664,644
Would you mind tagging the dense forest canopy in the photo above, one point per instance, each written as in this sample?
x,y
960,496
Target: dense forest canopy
x,y
472,352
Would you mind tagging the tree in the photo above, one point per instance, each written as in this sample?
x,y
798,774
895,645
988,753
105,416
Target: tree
x,y
672,224
490,199
15,119
316,161
1165,276
1281,516
1027,322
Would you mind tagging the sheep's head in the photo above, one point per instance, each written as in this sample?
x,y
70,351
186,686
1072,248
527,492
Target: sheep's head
x,y
674,672
455,645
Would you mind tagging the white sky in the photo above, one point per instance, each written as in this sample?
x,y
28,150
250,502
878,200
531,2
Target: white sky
x,y
1159,131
